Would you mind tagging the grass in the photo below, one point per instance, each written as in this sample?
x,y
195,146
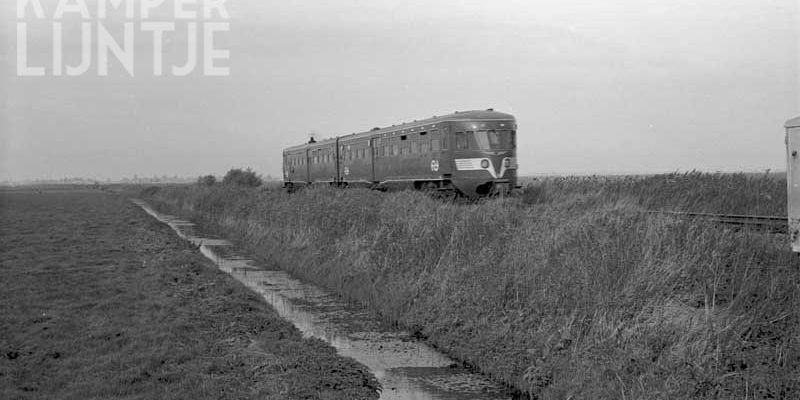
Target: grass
x,y
100,301
569,291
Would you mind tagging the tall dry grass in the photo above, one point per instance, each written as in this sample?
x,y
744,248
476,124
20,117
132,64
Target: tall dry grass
x,y
570,290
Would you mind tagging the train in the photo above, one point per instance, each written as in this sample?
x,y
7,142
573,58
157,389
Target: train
x,y
793,180
468,153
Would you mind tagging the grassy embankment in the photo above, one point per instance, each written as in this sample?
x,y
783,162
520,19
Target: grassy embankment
x,y
100,301
570,290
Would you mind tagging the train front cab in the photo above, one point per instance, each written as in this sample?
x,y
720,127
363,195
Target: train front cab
x,y
793,180
484,157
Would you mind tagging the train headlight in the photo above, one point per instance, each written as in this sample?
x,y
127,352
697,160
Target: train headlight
x,y
507,163
484,163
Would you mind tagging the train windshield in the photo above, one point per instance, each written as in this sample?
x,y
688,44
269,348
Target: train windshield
x,y
494,140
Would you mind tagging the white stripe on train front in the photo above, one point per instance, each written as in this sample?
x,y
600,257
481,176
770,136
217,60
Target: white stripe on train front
x,y
474,164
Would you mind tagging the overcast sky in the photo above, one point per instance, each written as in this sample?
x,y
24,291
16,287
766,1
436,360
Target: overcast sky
x,y
630,86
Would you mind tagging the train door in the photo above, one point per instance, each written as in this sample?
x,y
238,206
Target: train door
x,y
372,153
793,180
308,165
338,162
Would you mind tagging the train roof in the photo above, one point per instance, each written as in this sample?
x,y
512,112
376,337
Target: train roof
x,y
472,115
793,123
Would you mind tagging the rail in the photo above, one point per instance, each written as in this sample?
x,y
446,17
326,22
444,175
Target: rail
x,y
769,223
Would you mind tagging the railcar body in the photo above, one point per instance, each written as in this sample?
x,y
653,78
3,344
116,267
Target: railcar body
x,y
472,153
793,180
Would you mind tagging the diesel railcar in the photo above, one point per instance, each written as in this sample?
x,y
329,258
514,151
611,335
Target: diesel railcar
x,y
469,153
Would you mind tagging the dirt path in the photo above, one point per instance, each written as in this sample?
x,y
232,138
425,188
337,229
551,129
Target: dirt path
x,y
100,301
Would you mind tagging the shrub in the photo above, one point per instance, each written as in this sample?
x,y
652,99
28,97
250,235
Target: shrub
x,y
207,180
149,191
239,177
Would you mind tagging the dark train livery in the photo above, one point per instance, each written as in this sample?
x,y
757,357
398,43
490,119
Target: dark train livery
x,y
472,153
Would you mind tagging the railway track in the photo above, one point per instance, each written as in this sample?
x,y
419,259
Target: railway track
x,y
768,223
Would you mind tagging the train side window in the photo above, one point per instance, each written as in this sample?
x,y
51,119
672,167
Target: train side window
x,y
461,141
423,133
513,138
435,146
404,137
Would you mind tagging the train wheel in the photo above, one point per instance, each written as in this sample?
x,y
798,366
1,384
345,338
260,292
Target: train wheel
x,y
429,187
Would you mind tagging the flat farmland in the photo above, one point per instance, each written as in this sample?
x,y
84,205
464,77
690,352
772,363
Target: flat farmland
x,y
97,300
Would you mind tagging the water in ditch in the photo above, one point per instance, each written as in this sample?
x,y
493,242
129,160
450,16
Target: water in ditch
x,y
407,368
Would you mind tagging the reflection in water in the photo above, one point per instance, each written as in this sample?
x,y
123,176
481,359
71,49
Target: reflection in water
x,y
406,368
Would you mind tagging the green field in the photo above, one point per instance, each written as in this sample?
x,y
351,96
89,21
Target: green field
x,y
100,301
571,290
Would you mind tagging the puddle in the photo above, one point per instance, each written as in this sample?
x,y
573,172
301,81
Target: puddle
x,y
408,369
